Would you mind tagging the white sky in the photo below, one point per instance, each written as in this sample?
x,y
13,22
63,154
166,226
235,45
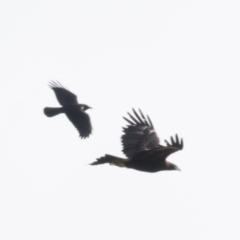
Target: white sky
x,y
176,60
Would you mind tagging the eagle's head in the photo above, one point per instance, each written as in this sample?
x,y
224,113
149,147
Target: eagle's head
x,y
171,166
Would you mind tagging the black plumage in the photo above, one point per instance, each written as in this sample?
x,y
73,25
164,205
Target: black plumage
x,y
73,110
142,147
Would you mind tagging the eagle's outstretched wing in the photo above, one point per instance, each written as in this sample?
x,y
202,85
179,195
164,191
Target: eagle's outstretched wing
x,y
175,143
139,135
159,153
81,121
64,96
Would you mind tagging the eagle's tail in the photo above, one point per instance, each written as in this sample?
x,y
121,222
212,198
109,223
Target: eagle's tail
x,y
120,162
51,112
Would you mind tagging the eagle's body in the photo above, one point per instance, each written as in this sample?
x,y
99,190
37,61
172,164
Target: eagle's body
x,y
142,147
73,110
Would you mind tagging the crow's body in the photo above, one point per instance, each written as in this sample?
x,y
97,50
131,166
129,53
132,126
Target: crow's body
x,y
73,110
142,147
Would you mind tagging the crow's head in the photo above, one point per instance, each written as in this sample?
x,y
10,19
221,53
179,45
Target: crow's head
x,y
84,107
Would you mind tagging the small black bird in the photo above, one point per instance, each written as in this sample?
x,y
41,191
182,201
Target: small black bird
x,y
142,147
70,106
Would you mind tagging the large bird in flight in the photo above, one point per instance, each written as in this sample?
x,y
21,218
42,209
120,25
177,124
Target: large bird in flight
x,y
73,110
142,147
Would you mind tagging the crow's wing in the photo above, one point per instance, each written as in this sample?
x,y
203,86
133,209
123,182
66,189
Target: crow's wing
x,y
139,135
81,121
64,96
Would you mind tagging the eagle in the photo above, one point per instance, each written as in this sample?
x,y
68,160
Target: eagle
x,y
73,110
141,145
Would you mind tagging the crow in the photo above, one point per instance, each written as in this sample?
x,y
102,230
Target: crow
x,y
73,110
142,147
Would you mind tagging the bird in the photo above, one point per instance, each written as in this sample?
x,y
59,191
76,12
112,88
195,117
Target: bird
x,y
73,110
141,145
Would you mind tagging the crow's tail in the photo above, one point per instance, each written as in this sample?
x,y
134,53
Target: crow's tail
x,y
120,162
51,112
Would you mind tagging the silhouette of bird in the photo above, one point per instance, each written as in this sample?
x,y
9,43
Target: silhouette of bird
x,y
73,110
142,147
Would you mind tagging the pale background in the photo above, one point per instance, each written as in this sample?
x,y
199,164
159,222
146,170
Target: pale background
x,y
179,61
